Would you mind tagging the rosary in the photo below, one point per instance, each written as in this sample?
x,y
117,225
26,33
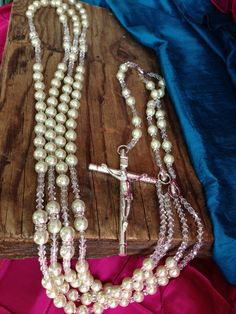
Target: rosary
x,y
76,290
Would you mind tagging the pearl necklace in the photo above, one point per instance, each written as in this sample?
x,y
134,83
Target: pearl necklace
x,y
76,291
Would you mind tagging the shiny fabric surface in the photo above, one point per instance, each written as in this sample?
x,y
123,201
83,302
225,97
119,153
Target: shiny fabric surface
x,y
226,6
199,289
196,47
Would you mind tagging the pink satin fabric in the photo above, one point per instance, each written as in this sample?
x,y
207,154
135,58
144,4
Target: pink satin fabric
x,y
226,6
201,289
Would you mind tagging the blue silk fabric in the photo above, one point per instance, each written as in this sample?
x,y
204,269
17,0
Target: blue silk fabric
x,y
196,47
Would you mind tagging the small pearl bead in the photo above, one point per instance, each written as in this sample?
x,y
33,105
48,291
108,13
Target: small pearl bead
x,y
73,295
62,67
52,101
148,264
60,118
82,266
161,124
169,159
82,309
150,85
84,288
35,42
53,208
124,302
174,272
126,294
125,92
73,56
130,101
64,288
60,154
150,112
76,94
136,133
68,80
29,14
71,160
127,283
71,124
51,294
47,283
70,307
56,82
60,301
75,104
50,135
161,271
123,67
138,274
40,117
160,113
62,18
112,303
73,113
50,147
60,129
157,93
40,95
80,69
86,299
38,85
39,129
85,23
62,107
40,217
138,285
77,85
96,286
59,75
78,206
161,83
51,112
41,167
138,297
40,106
62,180
170,262
67,89
71,135
41,237
39,141
166,145
151,290
65,98
58,280
152,130
40,153
81,224
54,226
51,160
61,167
120,75
37,67
152,280
97,308
67,252
155,144
162,281
70,275
71,148
136,121
60,141
150,104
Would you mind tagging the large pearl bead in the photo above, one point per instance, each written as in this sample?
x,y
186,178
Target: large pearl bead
x,y
150,85
67,252
70,308
62,66
138,297
70,148
138,275
39,141
60,154
161,271
71,124
71,135
40,106
162,281
86,299
152,130
40,117
130,101
53,91
62,107
73,295
81,266
166,145
112,303
101,297
82,309
97,308
56,82
151,289
161,124
47,283
73,114
136,133
40,217
152,280
51,294
61,167
60,118
136,121
155,144
60,129
81,224
127,283
160,114
51,160
41,237
62,180
138,285
125,92
78,206
148,264
50,123
40,153
77,85
124,302
55,269
37,67
60,301
67,234
174,272
53,208
150,112
70,276
41,167
37,76
71,160
38,85
54,226
96,286
169,159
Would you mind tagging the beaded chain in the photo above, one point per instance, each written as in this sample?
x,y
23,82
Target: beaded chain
x,y
76,290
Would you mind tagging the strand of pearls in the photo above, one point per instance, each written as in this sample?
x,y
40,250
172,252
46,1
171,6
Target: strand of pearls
x,y
76,290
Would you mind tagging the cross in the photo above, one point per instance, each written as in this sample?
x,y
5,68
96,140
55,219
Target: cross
x,y
126,196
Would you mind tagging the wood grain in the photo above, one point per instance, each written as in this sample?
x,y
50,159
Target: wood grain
x,y
103,124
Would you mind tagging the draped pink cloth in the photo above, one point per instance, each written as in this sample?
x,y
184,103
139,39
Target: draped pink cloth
x,y
201,289
226,6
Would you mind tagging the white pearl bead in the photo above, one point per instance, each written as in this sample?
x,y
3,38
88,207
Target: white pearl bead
x,y
124,302
73,295
157,93
161,93
82,266
68,80
70,275
97,308
51,112
151,289
96,286
127,283
39,129
152,130
51,160
52,101
40,106
56,82
53,91
60,129
86,299
54,226
170,262
60,11
39,141
35,42
67,89
162,281
82,309
78,5
161,271
37,67
169,159
73,113
161,83
40,217
40,153
125,294
50,135
75,21
41,237
51,294
37,76
79,77
60,154
71,160
40,117
74,104
62,18
152,280
67,252
136,133
53,208
29,14
61,167
112,303
64,6
70,308
161,124
60,141
62,107
130,101
166,145
39,95
151,104
59,280
71,124
84,288
148,264
138,297
65,98
155,144
81,224
174,272
41,167
138,275
75,284
80,69
60,301
77,85
47,283
76,94
78,206
150,85
125,92
59,75
60,118
38,85
73,56
150,112
136,121
50,147
85,23
62,180
71,135
71,148
62,67
123,67
138,285
120,75
160,113
64,288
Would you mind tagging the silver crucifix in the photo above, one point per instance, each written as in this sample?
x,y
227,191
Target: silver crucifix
x,y
126,196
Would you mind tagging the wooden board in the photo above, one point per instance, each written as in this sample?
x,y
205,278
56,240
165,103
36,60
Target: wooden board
x,y
103,124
